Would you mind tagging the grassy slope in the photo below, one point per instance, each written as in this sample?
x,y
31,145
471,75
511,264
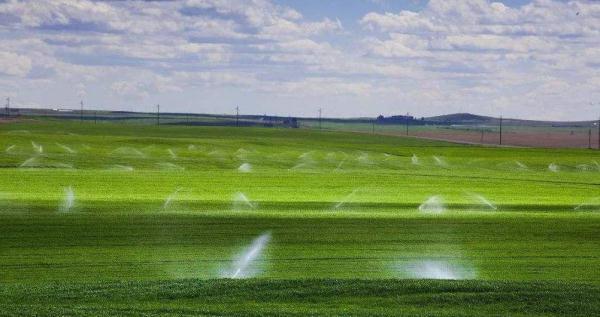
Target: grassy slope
x,y
119,229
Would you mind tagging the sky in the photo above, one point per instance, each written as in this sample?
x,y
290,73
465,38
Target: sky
x,y
535,59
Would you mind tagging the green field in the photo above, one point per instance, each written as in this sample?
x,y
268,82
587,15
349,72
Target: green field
x,y
136,219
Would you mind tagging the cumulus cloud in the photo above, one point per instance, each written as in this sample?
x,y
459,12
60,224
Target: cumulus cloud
x,y
139,89
319,87
449,55
14,64
481,48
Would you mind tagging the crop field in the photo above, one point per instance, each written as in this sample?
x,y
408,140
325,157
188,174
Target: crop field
x,y
124,219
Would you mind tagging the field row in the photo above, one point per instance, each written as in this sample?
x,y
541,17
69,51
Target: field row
x,y
37,248
129,158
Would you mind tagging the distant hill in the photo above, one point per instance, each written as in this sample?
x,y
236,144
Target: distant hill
x,y
461,118
473,119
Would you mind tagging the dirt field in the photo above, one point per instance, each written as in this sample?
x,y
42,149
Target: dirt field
x,y
7,120
562,139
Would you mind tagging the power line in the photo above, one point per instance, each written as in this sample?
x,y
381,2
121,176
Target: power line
x,y
320,113
158,114
500,130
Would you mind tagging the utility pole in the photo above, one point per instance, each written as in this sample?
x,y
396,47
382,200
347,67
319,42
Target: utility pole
x,y
500,130
373,122
81,113
590,138
407,119
320,112
237,116
158,114
95,116
8,107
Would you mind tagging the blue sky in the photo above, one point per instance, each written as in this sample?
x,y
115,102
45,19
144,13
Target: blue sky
x,y
527,59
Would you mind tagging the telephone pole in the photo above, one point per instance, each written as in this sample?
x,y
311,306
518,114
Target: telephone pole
x,y
373,122
320,112
500,130
237,116
407,119
8,107
590,138
158,114
81,113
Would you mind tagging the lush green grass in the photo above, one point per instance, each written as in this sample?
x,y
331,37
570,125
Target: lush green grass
x,y
304,297
337,205
42,248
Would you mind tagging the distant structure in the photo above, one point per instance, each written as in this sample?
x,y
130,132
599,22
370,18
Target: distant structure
x,y
291,122
267,121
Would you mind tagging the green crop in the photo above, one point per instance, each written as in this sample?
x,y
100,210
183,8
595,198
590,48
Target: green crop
x,y
85,206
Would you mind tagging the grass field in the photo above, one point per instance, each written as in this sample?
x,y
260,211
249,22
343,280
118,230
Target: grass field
x,y
136,219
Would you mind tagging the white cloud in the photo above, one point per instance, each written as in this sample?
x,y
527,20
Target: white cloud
x,y
449,55
489,57
14,64
318,87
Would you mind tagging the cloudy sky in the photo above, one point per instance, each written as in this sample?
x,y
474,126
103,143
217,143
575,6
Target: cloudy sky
x,y
528,59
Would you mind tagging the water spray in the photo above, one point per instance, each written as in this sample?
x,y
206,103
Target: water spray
x,y
243,264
